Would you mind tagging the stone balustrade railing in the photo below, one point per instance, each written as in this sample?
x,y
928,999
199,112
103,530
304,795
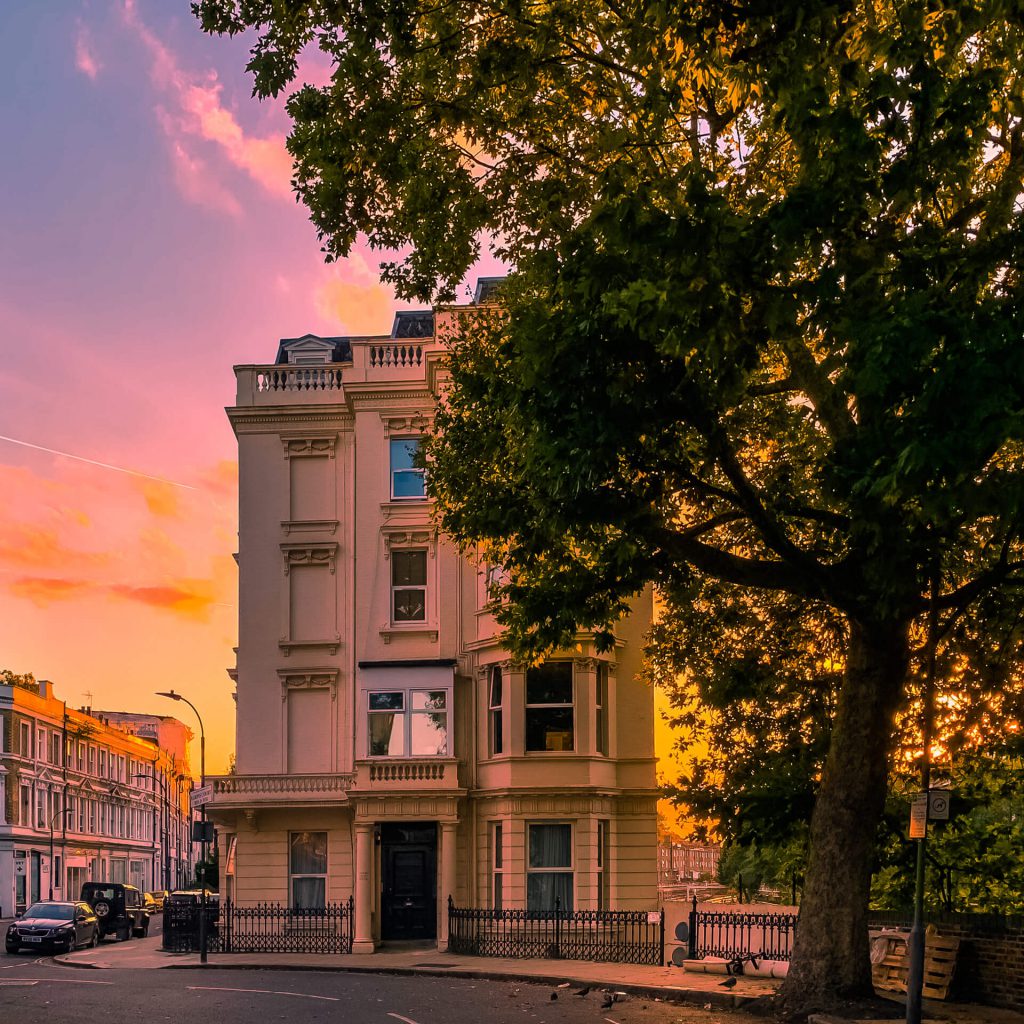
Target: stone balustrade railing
x,y
273,788
407,773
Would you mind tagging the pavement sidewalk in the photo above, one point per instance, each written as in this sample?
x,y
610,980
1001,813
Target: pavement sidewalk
x,y
671,984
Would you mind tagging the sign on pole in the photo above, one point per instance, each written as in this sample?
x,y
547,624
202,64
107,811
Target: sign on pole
x,y
938,805
201,795
919,816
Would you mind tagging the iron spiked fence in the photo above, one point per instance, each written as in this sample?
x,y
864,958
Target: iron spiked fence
x,y
612,936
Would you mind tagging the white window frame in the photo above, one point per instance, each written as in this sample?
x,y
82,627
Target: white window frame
x,y
495,711
403,471
407,714
292,876
601,687
602,856
558,870
528,706
423,587
498,869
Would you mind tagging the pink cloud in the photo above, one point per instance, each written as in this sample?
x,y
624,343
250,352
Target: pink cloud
x,y
196,110
198,184
85,59
188,598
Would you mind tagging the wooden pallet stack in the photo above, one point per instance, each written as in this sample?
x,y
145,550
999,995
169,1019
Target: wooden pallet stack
x,y
890,961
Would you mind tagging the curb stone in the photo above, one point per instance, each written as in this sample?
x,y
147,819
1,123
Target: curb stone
x,y
720,1000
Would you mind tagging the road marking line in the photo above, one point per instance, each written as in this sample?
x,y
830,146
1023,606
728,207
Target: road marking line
x,y
7,984
259,991
398,1016
75,981
610,1021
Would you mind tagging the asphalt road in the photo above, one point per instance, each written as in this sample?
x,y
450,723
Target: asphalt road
x,y
34,990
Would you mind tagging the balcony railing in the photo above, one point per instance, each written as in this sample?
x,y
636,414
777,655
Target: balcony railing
x,y
374,360
248,790
407,773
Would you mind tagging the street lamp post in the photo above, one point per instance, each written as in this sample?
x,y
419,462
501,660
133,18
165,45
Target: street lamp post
x,y
53,817
202,777
161,813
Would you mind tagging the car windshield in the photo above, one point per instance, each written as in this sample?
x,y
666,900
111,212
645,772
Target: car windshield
x,y
99,894
51,911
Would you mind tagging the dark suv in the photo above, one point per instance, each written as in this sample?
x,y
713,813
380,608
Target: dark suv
x,y
119,908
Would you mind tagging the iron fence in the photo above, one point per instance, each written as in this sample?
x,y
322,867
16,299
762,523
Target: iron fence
x,y
261,928
736,936
613,936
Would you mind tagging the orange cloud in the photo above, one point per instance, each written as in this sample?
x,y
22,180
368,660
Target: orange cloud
x,y
27,546
42,591
221,478
198,111
85,59
358,302
192,599
161,499
189,598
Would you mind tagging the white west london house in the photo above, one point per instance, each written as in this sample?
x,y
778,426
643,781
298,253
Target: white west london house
x,y
387,748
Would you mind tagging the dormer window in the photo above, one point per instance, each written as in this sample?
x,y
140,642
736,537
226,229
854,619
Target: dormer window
x,y
311,350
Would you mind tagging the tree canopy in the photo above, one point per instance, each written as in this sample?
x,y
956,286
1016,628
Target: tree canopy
x,y
763,331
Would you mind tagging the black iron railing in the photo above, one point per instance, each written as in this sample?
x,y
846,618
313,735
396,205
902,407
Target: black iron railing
x,y
613,936
261,928
732,936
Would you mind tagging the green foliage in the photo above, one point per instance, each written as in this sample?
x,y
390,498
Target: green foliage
x,y
25,680
762,344
974,860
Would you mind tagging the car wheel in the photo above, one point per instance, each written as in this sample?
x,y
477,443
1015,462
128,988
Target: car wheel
x,y
95,938
12,949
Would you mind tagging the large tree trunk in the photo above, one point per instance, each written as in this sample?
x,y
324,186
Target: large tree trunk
x,y
830,958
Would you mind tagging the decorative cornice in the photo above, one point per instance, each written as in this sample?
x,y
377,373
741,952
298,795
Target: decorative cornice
x,y
308,679
403,536
308,444
415,423
290,526
309,553
264,419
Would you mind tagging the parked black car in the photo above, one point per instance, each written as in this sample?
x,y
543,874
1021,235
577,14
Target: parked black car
x,y
54,927
119,907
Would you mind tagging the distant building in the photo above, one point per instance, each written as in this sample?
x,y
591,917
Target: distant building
x,y
122,782
388,747
687,862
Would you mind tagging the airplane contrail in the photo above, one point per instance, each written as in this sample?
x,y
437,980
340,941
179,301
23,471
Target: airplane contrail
x,y
102,465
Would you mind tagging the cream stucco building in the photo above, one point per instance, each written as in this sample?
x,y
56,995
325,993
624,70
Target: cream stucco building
x,y
387,748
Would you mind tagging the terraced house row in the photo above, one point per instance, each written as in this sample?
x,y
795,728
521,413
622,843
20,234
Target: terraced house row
x,y
388,748
88,795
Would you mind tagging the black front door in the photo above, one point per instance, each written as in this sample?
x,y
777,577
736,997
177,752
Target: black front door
x,y
409,869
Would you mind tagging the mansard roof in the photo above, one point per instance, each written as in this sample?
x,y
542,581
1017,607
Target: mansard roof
x,y
340,348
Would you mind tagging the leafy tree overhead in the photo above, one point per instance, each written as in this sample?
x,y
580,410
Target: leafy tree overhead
x,y
764,328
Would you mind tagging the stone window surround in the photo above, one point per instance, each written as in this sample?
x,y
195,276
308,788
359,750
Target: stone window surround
x,y
307,553
584,691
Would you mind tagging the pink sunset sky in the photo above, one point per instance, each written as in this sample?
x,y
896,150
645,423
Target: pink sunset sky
x,y
150,241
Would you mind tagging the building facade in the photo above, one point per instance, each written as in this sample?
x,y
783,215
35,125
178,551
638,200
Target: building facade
x,y
388,748
85,798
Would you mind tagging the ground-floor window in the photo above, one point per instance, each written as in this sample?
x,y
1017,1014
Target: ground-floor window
x,y
497,866
307,866
603,872
549,867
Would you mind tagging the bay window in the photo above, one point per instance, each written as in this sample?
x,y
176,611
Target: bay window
x,y
549,707
413,722
549,867
495,722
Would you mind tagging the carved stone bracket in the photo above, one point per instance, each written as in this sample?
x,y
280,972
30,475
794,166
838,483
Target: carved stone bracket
x,y
414,423
309,554
399,538
298,445
308,679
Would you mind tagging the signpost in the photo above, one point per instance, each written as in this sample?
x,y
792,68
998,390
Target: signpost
x,y
201,795
919,816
